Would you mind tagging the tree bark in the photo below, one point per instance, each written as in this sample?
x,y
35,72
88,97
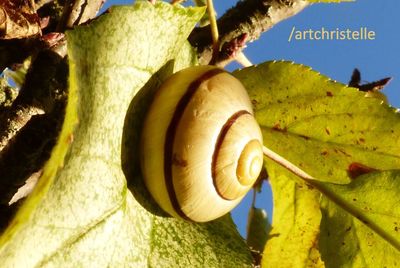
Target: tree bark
x,y
250,17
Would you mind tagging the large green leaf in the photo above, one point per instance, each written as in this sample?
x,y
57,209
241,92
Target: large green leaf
x,y
82,214
293,239
324,128
360,226
319,125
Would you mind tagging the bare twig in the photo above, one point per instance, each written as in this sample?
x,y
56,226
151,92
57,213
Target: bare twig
x,y
13,120
26,134
40,3
243,60
77,12
251,17
214,30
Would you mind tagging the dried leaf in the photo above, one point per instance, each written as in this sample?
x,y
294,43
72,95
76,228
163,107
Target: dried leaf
x,y
18,19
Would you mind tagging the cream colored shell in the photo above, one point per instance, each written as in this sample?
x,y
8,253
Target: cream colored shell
x,y
198,127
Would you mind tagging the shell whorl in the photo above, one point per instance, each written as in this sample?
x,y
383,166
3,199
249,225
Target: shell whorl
x,y
210,149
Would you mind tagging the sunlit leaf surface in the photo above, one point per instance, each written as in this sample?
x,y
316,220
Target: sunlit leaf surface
x,y
82,214
343,138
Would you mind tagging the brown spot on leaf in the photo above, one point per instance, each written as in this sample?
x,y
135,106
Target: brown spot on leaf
x,y
304,137
70,138
357,169
344,152
327,131
254,102
278,127
362,140
329,94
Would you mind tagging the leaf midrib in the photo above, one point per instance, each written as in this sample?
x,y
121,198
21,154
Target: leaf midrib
x,y
353,146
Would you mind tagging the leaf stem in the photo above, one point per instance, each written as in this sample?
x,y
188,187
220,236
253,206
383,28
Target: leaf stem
x,y
252,17
214,29
243,60
253,200
286,164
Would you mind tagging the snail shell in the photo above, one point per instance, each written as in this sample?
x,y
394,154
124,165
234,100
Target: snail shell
x,y
201,148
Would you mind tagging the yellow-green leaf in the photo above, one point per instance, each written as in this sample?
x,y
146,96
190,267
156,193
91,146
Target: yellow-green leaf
x,y
335,133
360,226
320,125
293,240
81,214
258,228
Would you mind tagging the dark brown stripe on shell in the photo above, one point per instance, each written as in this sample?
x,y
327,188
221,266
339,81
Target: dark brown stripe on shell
x,y
218,144
170,137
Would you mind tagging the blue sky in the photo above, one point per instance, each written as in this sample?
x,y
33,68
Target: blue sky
x,y
375,59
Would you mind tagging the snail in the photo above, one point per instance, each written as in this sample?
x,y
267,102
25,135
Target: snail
x,y
201,147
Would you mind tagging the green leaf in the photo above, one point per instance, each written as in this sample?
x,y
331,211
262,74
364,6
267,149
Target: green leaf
x,y
324,127
258,228
205,20
293,240
319,125
81,214
360,226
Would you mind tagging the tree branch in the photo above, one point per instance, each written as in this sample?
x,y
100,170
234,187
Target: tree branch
x,y
77,12
43,87
250,17
26,134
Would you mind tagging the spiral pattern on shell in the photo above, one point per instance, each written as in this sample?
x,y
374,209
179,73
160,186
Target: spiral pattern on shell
x,y
201,146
